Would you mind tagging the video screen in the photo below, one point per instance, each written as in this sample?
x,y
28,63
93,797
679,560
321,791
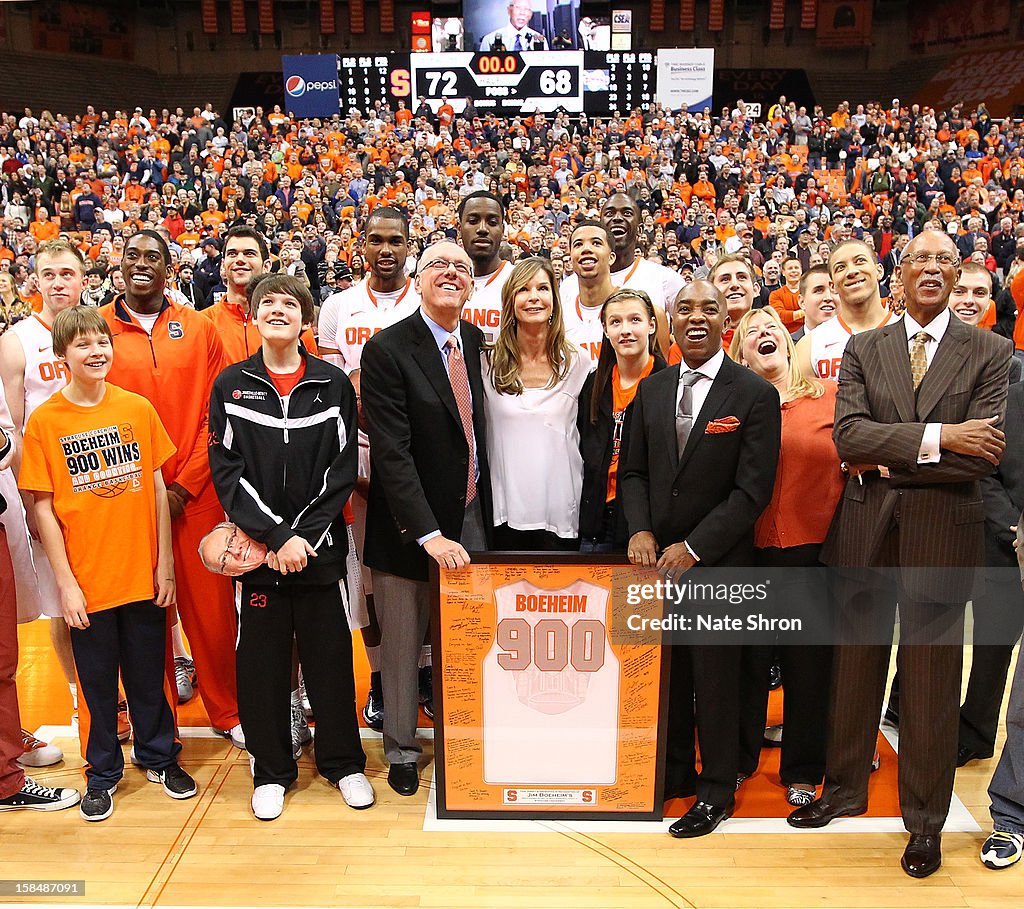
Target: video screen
x,y
523,25
447,35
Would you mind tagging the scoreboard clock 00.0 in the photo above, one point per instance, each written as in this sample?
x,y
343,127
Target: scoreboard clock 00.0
x,y
505,83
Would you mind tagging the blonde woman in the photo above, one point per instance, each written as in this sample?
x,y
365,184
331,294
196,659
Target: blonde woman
x,y
789,534
532,382
12,307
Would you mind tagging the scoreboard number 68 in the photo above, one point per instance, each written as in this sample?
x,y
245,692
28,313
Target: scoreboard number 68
x,y
556,82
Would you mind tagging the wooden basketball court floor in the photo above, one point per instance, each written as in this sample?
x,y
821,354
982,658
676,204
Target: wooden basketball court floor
x,y
209,851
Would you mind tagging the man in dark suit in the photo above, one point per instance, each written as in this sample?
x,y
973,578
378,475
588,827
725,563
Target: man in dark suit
x,y
999,606
691,498
429,492
922,397
892,258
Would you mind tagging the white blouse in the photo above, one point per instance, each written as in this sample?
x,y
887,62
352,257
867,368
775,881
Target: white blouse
x,y
533,447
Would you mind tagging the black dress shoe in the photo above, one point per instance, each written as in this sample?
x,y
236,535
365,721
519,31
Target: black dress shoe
x,y
965,755
404,778
923,854
701,820
821,813
892,716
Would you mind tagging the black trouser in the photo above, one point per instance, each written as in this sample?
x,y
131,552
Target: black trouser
x,y
508,539
130,638
998,621
269,618
713,678
806,675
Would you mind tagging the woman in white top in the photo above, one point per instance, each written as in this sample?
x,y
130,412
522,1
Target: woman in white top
x,y
532,387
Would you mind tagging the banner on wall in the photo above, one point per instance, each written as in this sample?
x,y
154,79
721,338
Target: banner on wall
x,y
97,29
542,712
953,25
311,85
686,76
844,23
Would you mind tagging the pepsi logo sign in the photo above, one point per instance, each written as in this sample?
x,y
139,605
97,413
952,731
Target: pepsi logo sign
x,y
295,86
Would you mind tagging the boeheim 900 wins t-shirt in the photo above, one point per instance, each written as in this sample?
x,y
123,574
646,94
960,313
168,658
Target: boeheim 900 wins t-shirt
x,y
98,463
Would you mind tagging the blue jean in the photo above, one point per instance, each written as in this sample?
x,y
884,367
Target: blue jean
x,y
1007,787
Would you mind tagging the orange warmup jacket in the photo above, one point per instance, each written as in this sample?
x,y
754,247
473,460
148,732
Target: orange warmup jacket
x,y
238,332
174,368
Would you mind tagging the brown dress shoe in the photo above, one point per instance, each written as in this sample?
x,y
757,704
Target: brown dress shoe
x,y
820,813
923,854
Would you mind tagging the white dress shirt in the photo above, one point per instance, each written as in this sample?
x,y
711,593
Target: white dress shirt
x,y
708,371
700,389
929,452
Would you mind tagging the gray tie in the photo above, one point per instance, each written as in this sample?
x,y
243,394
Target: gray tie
x,y
684,413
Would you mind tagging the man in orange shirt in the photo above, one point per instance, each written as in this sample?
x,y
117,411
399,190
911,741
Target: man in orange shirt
x,y
171,354
246,255
786,300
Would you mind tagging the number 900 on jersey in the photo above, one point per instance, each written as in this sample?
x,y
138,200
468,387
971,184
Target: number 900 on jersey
x,y
504,83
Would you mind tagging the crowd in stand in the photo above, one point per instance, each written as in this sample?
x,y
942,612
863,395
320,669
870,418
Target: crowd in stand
x,y
587,258
793,182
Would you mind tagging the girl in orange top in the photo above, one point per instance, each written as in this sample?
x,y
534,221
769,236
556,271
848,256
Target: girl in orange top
x,y
789,534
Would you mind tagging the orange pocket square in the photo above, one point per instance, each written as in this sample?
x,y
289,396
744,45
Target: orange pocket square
x,y
726,424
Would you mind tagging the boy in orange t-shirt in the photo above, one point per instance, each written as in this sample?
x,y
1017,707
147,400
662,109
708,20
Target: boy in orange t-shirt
x,y
92,457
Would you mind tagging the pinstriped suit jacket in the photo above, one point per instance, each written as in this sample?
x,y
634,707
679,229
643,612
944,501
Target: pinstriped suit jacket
x,y
935,509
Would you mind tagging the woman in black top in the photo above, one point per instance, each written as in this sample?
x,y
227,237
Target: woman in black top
x,y
627,357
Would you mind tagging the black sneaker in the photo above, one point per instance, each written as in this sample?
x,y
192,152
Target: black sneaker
x,y
177,783
40,798
97,804
373,712
426,692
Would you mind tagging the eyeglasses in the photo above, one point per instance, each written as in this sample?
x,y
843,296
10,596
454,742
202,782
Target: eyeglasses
x,y
443,265
944,259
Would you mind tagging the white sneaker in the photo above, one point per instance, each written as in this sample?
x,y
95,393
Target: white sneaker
x,y
235,734
356,791
268,801
300,731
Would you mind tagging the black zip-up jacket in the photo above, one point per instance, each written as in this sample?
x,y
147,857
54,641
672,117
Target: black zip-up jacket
x,y
596,448
282,469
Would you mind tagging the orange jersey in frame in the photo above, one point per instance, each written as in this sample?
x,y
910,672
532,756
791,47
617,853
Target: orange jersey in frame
x,y
238,332
98,463
173,368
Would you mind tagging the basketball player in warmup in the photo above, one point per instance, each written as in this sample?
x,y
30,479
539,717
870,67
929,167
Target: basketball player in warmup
x,y
31,373
246,255
481,228
590,249
855,273
170,354
347,321
621,218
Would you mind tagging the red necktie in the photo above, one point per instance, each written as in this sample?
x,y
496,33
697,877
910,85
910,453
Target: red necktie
x,y
459,379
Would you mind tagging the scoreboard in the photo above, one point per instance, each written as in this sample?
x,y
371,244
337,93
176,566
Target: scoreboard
x,y
502,83
619,81
595,82
368,78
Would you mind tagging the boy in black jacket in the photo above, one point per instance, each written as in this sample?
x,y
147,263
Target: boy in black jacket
x,y
283,458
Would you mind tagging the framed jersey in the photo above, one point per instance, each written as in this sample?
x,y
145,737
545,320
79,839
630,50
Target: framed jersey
x,y
541,711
